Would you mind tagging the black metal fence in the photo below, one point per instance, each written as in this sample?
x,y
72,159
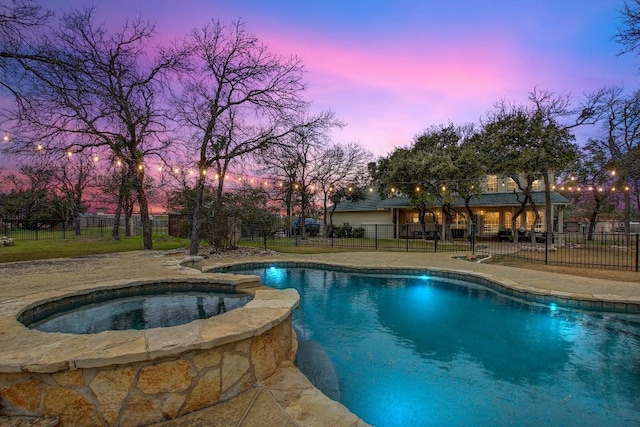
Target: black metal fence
x,y
601,250
89,226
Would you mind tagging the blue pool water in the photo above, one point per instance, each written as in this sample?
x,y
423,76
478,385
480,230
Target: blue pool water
x,y
423,351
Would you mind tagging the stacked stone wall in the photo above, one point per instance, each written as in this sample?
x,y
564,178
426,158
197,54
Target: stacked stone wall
x,y
147,392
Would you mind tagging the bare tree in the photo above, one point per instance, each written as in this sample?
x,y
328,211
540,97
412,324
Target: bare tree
x,y
628,34
621,141
280,163
340,166
74,176
298,159
238,98
19,19
85,88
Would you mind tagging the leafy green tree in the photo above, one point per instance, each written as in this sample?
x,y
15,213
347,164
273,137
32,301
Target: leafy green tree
x,y
432,172
469,172
251,205
525,144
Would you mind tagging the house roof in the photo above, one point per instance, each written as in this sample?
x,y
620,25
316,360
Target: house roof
x,y
374,202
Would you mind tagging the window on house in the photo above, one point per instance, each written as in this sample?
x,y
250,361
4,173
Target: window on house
x,y
508,216
530,219
492,184
511,184
459,218
491,222
537,185
412,217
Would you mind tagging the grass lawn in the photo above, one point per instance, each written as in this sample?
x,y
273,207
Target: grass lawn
x,y
29,250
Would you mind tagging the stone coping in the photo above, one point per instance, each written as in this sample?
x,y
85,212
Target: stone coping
x,y
507,287
27,350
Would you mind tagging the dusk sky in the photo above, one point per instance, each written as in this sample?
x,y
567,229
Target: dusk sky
x,y
390,69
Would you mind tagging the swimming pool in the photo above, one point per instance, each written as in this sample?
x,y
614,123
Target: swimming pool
x,y
422,350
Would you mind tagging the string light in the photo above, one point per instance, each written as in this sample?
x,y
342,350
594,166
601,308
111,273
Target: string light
x,y
5,138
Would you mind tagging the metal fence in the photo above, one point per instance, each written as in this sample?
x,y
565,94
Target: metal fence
x,y
601,250
90,226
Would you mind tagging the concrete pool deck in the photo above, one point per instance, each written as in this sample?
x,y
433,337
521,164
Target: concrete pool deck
x,y
286,398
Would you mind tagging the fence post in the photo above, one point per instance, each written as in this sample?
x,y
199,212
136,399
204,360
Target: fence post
x,y
407,240
546,247
435,238
473,238
376,237
637,250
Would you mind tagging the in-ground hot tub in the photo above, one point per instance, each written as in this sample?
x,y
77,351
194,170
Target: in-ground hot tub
x,y
149,305
137,377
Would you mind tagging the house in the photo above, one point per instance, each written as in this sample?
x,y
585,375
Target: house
x,y
494,209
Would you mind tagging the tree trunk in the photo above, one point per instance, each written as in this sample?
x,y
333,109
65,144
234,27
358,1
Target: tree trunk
x,y
147,240
194,242
593,220
128,215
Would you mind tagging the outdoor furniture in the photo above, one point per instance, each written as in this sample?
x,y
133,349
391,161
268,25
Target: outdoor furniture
x,y
524,236
505,235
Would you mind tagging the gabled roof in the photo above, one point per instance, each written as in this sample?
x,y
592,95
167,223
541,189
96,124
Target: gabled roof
x,y
374,202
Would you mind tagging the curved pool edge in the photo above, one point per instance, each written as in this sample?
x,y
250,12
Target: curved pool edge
x,y
508,287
